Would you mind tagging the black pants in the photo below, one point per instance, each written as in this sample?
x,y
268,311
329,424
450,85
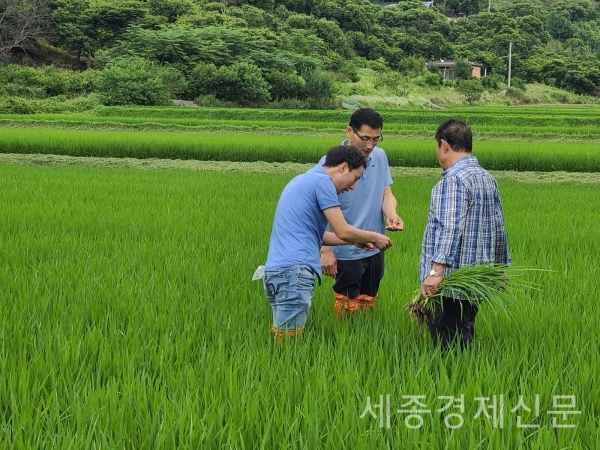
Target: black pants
x,y
359,276
455,319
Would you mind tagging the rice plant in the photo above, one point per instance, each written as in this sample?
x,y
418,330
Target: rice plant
x,y
493,155
490,284
128,319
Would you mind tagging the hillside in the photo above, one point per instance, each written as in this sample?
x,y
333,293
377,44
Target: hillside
x,y
301,54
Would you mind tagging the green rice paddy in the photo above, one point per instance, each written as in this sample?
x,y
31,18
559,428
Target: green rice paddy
x,y
128,318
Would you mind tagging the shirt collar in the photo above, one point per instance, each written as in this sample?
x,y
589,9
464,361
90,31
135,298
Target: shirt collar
x,y
464,161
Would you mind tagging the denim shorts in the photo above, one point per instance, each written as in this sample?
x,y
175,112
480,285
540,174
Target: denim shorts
x,y
290,291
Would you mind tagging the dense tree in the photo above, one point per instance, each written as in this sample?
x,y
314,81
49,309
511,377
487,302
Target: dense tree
x,y
522,9
171,10
183,48
299,6
285,38
560,25
589,34
254,17
467,7
413,20
350,15
84,26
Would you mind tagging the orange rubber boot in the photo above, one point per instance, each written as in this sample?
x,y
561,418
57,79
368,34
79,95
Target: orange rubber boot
x,y
279,333
342,302
366,301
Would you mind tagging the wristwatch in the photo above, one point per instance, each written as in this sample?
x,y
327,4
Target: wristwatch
x,y
433,273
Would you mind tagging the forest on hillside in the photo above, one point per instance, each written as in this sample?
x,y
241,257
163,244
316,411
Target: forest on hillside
x,y
255,52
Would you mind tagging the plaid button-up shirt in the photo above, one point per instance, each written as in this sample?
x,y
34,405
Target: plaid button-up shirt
x,y
465,224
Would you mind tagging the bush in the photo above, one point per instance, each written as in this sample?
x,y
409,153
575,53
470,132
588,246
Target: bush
x,y
561,97
132,81
449,83
517,83
21,75
490,83
19,90
320,90
462,69
432,79
377,66
31,83
516,94
285,85
332,61
351,71
241,83
413,67
15,105
53,105
80,104
290,103
388,79
471,89
211,101
249,87
81,83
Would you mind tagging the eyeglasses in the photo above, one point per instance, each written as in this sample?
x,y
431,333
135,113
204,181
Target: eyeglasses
x,y
366,139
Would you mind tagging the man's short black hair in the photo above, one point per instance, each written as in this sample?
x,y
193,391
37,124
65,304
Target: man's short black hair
x,y
457,134
339,154
366,116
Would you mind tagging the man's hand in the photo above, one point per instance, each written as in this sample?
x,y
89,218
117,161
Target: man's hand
x,y
368,246
430,286
328,264
394,223
382,242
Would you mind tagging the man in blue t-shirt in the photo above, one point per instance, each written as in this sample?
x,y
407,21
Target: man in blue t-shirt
x,y
370,206
306,205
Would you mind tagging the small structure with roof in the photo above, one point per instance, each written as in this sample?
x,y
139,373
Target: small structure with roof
x,y
446,68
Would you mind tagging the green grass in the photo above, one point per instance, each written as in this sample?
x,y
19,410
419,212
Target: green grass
x,y
556,121
493,155
128,320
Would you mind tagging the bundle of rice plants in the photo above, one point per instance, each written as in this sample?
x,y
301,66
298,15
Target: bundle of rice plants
x,y
493,284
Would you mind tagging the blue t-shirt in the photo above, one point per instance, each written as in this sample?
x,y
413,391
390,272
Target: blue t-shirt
x,y
299,223
362,206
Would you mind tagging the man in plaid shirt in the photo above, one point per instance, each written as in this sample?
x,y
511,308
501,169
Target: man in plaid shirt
x,y
465,227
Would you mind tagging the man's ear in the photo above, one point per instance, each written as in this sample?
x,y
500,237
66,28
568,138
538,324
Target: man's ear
x,y
349,131
343,167
445,146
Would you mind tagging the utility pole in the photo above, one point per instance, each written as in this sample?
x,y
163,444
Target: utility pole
x,y
509,61
489,5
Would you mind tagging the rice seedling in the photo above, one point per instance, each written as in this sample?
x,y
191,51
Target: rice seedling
x,y
526,123
128,319
493,155
490,284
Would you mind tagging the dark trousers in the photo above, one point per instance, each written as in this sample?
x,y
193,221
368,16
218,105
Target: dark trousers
x,y
359,276
454,319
